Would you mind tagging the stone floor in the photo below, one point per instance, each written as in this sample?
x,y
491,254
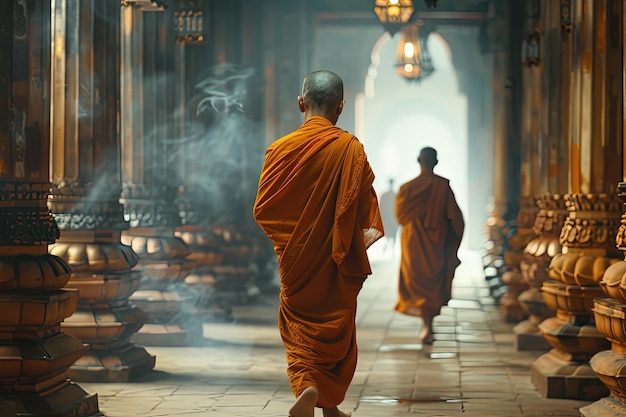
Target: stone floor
x,y
238,369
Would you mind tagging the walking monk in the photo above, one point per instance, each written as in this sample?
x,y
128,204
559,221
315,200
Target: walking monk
x,y
432,228
317,205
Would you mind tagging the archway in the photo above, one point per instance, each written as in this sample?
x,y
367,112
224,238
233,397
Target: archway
x,y
395,119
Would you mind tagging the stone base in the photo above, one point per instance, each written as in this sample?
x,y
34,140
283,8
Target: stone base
x,y
606,407
531,342
120,365
161,335
556,377
511,312
527,337
67,401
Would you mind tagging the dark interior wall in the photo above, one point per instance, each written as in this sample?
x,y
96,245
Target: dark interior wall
x,y
345,50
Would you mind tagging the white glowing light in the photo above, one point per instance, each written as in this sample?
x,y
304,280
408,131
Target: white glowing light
x,y
409,50
393,2
408,68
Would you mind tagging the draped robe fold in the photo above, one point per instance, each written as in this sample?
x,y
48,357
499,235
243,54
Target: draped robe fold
x,y
316,203
431,231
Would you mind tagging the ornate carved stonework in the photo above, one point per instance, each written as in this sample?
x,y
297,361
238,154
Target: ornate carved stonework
x,y
539,251
87,207
104,319
150,205
163,266
32,282
575,276
610,320
496,229
29,223
592,221
510,307
226,266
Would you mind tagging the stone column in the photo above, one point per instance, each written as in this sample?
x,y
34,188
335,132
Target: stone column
x,y
610,319
35,354
588,249
545,166
497,225
511,308
537,256
219,162
86,179
610,310
594,212
150,183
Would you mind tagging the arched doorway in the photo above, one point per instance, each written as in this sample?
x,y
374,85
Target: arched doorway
x,y
395,119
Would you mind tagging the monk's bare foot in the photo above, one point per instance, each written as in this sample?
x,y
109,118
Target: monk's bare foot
x,y
335,412
305,404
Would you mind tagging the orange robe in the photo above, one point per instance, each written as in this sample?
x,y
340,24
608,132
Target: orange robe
x,y
432,228
317,205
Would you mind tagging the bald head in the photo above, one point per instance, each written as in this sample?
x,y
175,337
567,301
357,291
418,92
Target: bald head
x,y
428,158
322,95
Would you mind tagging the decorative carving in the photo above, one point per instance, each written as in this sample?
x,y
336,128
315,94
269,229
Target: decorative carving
x,y
26,272
88,207
593,221
96,256
576,274
552,214
610,318
24,217
150,205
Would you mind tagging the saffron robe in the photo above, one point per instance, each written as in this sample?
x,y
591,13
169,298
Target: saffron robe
x,y
431,231
316,203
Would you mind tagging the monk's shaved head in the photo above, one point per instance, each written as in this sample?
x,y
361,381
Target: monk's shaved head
x,y
322,90
428,157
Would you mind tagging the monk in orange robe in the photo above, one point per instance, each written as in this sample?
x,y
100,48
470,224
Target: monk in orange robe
x,y
316,203
431,231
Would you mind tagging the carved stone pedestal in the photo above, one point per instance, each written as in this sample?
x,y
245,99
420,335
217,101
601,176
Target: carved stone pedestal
x,y
588,252
610,365
610,318
493,260
35,355
104,319
537,256
511,309
163,267
564,372
224,273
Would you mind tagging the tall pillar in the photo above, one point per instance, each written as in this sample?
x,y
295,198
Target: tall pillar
x,y
541,170
150,183
588,249
593,219
34,353
537,256
219,162
610,320
85,171
610,310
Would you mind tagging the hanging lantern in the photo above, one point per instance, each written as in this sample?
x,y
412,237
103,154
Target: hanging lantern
x,y
413,60
531,48
393,14
189,21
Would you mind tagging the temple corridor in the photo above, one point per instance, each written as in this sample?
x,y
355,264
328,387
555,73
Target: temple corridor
x,y
135,281
472,369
